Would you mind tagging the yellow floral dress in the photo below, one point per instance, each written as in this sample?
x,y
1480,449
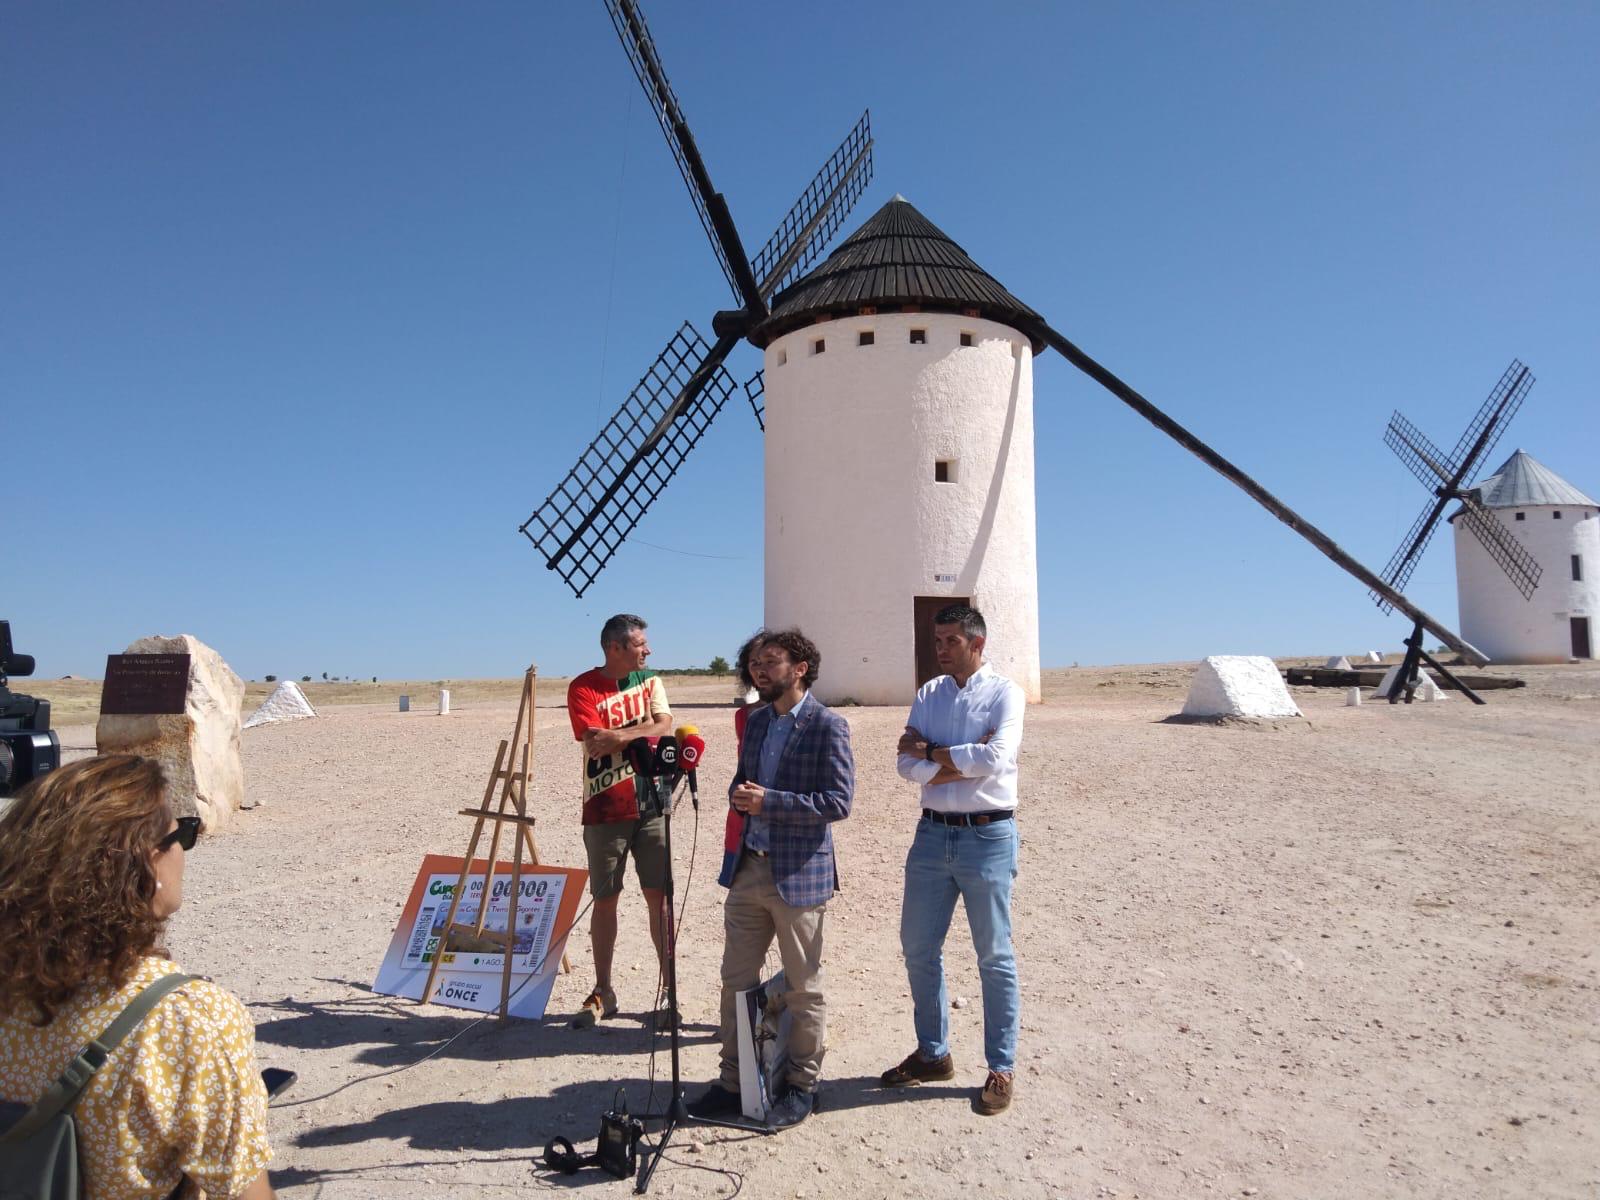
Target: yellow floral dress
x,y
180,1097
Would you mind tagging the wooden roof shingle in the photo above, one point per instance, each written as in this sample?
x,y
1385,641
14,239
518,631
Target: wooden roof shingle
x,y
897,258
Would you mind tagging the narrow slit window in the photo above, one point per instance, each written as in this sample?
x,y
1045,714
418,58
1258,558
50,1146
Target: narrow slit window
x,y
966,338
820,346
783,357
1556,514
944,470
919,337
1522,516
1577,568
865,338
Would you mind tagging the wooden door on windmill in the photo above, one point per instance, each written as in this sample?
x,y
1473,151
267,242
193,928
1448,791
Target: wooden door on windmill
x,y
923,610
1581,646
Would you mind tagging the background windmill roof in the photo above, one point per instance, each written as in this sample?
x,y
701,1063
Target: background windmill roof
x,y
898,257
1523,480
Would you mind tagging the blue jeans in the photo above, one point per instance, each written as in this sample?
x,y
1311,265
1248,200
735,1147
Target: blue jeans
x,y
977,863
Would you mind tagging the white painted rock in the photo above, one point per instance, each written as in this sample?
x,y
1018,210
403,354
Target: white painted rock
x,y
287,703
1239,685
1352,698
1426,690
1338,663
1374,657
197,748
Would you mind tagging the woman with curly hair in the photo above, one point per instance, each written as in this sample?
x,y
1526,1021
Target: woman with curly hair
x,y
91,867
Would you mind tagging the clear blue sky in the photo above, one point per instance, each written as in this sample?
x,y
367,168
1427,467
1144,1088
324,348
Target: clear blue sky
x,y
304,307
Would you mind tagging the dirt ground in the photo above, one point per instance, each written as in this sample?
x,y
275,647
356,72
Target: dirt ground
x,y
1350,956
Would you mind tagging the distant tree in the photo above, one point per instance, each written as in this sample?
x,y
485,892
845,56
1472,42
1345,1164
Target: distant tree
x,y
272,679
324,676
305,679
374,679
719,665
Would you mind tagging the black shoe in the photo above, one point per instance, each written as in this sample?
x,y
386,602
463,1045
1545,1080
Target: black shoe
x,y
716,1103
792,1107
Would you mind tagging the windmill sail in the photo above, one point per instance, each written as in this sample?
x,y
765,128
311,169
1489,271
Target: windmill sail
x,y
581,524
1502,546
1421,457
822,208
755,388
634,34
1444,475
1397,571
584,520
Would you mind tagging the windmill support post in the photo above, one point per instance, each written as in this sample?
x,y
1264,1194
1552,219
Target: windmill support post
x,y
1266,499
1408,676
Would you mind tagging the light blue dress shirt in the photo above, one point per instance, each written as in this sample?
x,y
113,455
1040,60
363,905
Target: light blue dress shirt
x,y
778,730
957,718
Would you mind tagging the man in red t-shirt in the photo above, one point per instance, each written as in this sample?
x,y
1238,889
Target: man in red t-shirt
x,y
610,707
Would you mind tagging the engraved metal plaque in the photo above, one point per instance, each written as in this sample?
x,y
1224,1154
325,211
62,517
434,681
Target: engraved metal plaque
x,y
140,684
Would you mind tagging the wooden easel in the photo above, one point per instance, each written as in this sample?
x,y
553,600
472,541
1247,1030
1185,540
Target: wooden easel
x,y
513,783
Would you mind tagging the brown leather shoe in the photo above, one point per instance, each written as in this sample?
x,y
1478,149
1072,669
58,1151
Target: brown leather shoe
x,y
598,1006
996,1094
916,1069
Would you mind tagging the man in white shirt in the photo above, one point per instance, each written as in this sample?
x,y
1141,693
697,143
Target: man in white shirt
x,y
961,745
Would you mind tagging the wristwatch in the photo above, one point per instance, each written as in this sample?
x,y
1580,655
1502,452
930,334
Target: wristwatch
x,y
928,752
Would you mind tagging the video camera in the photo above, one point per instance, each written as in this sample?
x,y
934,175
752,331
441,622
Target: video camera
x,y
28,746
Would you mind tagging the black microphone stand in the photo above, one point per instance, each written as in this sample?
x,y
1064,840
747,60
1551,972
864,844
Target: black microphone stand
x,y
677,1109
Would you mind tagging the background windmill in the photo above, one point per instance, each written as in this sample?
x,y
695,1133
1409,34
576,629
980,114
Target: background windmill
x,y
585,518
1444,475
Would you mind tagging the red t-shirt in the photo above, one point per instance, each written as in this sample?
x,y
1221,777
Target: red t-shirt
x,y
594,699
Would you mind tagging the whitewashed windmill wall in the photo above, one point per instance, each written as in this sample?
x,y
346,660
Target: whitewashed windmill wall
x,y
858,522
899,458
1560,527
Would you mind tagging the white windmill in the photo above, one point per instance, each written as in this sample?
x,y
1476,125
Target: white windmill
x,y
900,453
900,366
1559,527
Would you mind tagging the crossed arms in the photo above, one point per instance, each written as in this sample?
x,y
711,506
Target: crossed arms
x,y
989,755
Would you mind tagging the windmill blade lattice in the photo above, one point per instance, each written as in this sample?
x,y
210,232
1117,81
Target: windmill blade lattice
x,y
1397,571
585,519
1421,457
755,388
1493,417
1502,546
817,215
641,47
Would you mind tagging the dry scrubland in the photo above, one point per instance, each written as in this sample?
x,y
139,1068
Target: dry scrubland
x,y
1353,956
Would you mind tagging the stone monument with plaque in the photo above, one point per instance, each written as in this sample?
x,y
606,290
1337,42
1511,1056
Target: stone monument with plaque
x,y
173,699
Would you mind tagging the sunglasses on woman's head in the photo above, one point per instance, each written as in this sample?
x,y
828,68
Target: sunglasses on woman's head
x,y
184,835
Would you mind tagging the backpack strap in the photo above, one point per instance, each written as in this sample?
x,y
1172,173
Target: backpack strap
x,y
63,1094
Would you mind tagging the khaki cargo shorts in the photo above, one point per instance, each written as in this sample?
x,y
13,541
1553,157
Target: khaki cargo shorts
x,y
609,845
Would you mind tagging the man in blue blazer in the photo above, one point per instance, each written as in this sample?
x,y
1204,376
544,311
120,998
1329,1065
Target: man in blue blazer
x,y
796,777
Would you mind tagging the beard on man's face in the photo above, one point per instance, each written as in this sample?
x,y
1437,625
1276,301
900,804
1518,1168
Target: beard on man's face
x,y
772,689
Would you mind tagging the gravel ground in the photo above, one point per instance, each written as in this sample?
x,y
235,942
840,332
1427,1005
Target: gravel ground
x,y
1353,955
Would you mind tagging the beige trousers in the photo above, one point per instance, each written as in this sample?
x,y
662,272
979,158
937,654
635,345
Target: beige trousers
x,y
752,917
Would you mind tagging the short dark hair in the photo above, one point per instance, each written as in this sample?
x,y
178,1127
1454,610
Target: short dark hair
x,y
617,630
799,648
742,661
964,615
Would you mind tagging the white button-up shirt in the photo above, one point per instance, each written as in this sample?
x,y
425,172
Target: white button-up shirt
x,y
956,718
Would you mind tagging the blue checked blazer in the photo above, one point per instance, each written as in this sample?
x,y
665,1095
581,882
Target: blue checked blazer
x,y
812,788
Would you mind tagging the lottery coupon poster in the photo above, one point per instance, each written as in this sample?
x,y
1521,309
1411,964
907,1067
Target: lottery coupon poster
x,y
470,971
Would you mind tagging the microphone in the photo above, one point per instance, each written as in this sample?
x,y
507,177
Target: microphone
x,y
691,746
638,755
666,760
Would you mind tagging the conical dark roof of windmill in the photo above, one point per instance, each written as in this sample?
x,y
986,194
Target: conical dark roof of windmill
x,y
897,259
